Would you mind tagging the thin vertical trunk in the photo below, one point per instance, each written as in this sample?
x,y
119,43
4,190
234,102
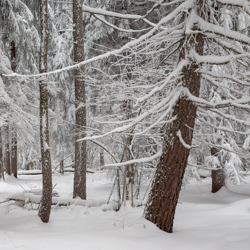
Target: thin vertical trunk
x,y
218,176
118,185
102,163
14,152
80,114
61,167
45,208
124,186
132,185
13,132
163,197
7,149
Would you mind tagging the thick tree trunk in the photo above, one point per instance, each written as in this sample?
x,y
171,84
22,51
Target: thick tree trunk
x,y
7,149
45,208
163,197
80,115
218,176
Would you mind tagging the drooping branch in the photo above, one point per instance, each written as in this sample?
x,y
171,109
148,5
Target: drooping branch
x,y
222,31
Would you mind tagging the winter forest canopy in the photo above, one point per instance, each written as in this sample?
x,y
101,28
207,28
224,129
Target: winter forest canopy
x,y
152,93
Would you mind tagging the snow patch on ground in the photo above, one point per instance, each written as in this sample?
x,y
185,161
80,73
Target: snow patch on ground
x,y
203,220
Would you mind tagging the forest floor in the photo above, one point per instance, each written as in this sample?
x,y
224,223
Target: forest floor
x,y
203,221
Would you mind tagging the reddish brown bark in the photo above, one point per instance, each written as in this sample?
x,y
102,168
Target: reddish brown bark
x,y
162,201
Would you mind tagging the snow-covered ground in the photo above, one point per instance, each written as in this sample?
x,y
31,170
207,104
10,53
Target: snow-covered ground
x,y
203,221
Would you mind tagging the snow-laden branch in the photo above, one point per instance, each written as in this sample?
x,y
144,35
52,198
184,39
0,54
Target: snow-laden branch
x,y
174,73
236,48
239,103
221,86
239,3
217,60
118,28
156,5
225,76
186,5
222,31
219,146
174,97
135,161
226,116
222,128
138,119
92,11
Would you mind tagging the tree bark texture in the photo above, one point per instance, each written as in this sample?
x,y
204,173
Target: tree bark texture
x,y
163,197
218,176
13,132
45,208
80,114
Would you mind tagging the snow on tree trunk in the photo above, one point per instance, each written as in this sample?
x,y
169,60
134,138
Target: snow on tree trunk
x,y
163,197
80,114
45,208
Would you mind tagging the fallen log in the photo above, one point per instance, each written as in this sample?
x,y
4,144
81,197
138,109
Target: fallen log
x,y
66,169
34,197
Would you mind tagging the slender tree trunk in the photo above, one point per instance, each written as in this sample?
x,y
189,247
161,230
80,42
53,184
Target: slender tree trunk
x,y
13,132
7,149
118,185
45,208
80,114
61,167
14,152
102,163
218,176
163,197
